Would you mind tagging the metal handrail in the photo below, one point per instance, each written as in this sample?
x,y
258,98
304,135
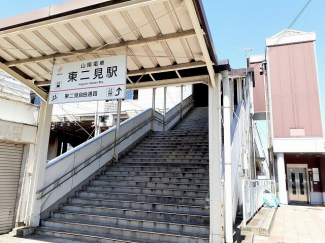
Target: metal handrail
x,y
178,112
100,153
93,158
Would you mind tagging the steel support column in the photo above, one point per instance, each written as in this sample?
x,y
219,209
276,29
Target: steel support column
x,y
39,166
181,115
215,145
165,103
227,158
153,107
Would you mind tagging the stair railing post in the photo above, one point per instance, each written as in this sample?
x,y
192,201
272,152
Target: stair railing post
x,y
117,128
165,99
227,157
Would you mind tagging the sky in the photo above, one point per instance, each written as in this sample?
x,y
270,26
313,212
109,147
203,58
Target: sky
x,y
237,24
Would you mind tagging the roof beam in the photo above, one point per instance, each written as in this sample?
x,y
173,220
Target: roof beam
x,y
167,68
170,82
200,36
148,71
27,82
111,47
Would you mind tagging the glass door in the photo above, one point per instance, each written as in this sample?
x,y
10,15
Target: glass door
x,y
297,183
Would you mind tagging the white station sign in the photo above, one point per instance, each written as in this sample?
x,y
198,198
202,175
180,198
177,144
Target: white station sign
x,y
89,80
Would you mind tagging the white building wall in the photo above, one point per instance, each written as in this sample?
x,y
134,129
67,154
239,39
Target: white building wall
x,y
18,124
12,89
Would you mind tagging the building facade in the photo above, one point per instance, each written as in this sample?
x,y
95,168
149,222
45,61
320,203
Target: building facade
x,y
18,128
295,115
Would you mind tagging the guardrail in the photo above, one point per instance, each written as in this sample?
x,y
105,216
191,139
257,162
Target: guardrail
x,y
70,169
239,147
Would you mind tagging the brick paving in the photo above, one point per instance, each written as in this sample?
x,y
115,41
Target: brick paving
x,y
297,224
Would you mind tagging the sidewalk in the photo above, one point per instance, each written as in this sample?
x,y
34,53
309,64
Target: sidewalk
x,y
10,238
297,224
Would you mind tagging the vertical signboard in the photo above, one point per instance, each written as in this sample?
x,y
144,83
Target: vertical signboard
x,y
89,80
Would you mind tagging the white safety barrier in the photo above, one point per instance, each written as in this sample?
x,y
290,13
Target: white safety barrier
x,y
174,114
67,171
252,196
239,148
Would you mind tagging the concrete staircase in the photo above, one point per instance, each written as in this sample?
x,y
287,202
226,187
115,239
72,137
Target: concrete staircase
x,y
156,193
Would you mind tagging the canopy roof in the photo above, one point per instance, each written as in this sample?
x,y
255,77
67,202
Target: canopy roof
x,y
165,40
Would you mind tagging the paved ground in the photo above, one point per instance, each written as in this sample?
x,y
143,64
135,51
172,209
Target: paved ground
x,y
9,238
297,224
292,224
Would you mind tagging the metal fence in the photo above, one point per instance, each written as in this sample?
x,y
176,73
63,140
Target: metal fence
x,y
252,196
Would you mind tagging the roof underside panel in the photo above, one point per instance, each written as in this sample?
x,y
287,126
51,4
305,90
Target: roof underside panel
x,y
110,32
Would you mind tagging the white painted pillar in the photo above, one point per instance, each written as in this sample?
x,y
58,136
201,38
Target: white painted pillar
x,y
232,101
215,145
227,157
182,86
282,194
165,103
153,107
96,122
239,90
39,166
117,130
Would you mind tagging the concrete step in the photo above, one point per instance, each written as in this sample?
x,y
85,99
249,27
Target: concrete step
x,y
159,179
152,198
158,185
130,232
80,236
122,221
172,153
164,216
171,150
138,205
262,222
151,191
161,168
180,132
146,155
174,143
165,160
177,139
198,163
201,138
166,174
161,146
